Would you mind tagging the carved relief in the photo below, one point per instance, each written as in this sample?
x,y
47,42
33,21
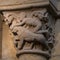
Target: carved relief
x,y
33,29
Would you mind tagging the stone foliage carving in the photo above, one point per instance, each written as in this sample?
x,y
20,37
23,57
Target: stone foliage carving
x,y
31,28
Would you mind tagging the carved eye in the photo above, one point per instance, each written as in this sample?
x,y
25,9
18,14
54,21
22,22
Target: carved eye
x,y
9,15
7,20
17,40
20,20
15,33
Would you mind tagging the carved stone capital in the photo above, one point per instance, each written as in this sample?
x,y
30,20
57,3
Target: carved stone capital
x,y
32,30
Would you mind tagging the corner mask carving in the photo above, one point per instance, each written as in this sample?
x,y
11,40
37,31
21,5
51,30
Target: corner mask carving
x,y
31,28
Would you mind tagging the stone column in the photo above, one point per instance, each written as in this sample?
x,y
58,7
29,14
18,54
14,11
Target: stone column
x,y
0,36
56,49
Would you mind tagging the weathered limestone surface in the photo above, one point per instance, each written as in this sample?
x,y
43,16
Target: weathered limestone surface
x,y
24,25
27,27
17,4
8,50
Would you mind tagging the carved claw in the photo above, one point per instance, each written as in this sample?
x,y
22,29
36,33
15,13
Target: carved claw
x,y
42,31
